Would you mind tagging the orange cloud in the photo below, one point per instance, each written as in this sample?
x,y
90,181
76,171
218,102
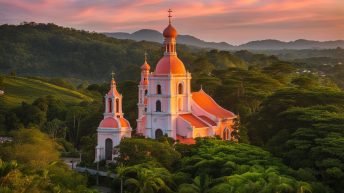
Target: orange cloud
x,y
220,20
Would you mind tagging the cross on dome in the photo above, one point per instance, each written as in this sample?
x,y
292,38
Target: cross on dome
x,y
113,74
169,15
145,56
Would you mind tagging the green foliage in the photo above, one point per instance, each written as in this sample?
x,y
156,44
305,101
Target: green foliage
x,y
305,128
135,151
38,168
147,179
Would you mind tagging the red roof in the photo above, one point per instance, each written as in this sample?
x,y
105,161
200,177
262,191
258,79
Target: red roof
x,y
170,32
208,104
113,90
186,140
193,120
109,122
124,122
170,64
145,66
208,120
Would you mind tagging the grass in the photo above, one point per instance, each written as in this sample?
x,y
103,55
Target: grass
x,y
19,89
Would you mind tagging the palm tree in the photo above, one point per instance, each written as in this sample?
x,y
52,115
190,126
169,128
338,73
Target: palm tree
x,y
148,180
120,172
201,184
5,170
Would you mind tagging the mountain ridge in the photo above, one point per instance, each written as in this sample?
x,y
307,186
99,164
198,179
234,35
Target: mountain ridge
x,y
267,44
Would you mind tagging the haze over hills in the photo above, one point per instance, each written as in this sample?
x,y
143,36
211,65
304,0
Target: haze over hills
x,y
269,44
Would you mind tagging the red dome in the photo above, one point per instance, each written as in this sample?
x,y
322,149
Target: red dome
x,y
170,31
145,66
109,122
170,64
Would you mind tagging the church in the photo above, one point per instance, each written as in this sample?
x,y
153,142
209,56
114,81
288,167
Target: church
x,y
166,106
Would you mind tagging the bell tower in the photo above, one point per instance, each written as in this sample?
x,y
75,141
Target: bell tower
x,y
143,92
113,101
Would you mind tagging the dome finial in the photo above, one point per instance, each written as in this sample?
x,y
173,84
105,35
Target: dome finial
x,y
113,75
145,56
169,15
113,82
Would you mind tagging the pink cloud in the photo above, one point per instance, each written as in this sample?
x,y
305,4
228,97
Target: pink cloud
x,y
218,20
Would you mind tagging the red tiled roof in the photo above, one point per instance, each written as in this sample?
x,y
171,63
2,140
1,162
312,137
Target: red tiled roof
x,y
209,105
208,120
193,120
185,140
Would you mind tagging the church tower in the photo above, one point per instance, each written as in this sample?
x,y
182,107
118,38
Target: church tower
x,y
113,127
169,91
143,91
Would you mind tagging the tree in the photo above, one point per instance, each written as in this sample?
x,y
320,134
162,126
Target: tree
x,y
55,128
147,179
200,184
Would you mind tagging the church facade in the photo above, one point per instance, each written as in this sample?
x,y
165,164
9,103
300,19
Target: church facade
x,y
167,105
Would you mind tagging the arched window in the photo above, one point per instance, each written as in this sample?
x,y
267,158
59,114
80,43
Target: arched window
x,y
146,92
158,134
180,88
108,149
158,89
226,134
109,106
158,106
117,105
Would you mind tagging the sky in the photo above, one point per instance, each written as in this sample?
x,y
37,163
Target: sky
x,y
232,21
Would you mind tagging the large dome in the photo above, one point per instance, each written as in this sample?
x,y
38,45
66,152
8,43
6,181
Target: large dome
x,y
170,64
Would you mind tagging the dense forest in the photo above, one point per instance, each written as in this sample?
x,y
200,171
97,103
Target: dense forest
x,y
291,122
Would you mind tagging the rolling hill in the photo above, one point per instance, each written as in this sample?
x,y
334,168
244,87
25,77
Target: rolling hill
x,y
269,44
19,89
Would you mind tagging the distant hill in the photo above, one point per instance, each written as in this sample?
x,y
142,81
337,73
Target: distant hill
x,y
19,89
292,45
155,36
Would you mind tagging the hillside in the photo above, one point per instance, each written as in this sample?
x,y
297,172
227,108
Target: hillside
x,y
269,44
32,49
19,89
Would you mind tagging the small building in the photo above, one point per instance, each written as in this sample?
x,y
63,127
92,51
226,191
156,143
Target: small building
x,y
2,92
113,127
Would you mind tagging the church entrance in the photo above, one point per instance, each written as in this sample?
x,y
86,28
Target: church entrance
x,y
158,134
108,149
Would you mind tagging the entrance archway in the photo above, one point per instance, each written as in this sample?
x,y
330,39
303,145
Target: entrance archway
x,y
108,149
158,134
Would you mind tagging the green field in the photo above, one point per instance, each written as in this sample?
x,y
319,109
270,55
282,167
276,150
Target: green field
x,y
19,89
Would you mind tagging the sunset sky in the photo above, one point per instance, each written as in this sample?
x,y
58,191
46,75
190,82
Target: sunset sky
x,y
233,21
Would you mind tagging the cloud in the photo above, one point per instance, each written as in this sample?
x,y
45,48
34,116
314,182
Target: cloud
x,y
235,21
